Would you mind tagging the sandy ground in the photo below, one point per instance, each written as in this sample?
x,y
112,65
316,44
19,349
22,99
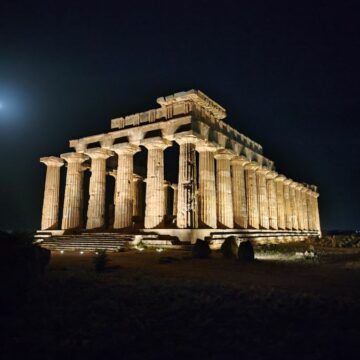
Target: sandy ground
x,y
281,306
335,273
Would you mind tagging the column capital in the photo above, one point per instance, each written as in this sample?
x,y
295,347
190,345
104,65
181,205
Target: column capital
x,y
113,173
294,184
156,143
186,139
224,154
74,157
241,160
280,178
263,170
174,186
167,184
52,161
271,175
287,182
303,188
202,146
137,177
125,148
99,153
252,166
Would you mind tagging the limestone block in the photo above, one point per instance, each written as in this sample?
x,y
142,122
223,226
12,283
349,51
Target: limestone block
x,y
50,211
225,214
73,199
97,187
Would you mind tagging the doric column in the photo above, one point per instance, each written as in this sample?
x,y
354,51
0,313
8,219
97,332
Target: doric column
x,y
271,191
166,196
317,214
309,207
187,213
97,188
207,187
239,191
113,174
288,214
124,195
137,196
154,201
299,206
225,214
281,218
262,198
252,195
304,208
50,210
175,199
294,213
73,199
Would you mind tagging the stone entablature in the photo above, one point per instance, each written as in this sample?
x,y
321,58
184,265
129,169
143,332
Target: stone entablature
x,y
232,185
192,108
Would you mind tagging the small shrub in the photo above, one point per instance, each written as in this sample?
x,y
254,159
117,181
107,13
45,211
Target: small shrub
x,y
229,247
100,260
201,249
246,252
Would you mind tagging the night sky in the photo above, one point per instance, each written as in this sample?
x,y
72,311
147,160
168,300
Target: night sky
x,y
288,76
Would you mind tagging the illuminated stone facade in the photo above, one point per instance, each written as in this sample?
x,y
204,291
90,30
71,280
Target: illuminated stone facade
x,y
224,180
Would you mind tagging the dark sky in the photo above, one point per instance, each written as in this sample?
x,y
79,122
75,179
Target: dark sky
x,y
287,74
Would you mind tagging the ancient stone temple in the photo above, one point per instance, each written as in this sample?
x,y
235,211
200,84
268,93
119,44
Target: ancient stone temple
x,y
223,184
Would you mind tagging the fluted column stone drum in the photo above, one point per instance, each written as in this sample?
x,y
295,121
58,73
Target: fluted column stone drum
x,y
124,195
187,205
252,195
175,199
317,215
304,208
239,191
225,214
73,199
50,210
299,207
97,188
262,197
309,207
271,191
288,214
207,187
137,196
294,213
154,199
281,218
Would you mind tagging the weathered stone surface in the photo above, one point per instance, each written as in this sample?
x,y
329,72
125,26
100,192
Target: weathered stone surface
x,y
155,210
272,200
279,181
263,198
239,192
50,212
96,205
225,215
187,207
73,200
124,188
252,196
207,188
288,213
229,247
233,185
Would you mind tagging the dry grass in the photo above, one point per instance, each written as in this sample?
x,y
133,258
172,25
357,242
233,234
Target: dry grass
x,y
193,308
